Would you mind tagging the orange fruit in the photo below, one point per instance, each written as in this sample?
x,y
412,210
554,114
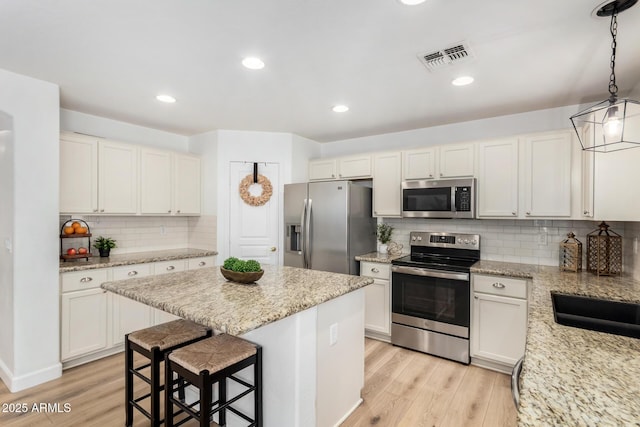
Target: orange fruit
x,y
81,230
75,224
69,230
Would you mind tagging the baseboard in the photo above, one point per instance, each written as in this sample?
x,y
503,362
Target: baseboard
x,y
492,365
22,382
377,335
93,356
349,412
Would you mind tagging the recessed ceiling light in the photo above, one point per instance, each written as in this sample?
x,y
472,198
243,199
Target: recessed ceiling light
x,y
462,81
253,63
340,109
166,98
412,2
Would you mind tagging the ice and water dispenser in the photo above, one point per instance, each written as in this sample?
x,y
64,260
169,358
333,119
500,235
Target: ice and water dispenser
x,y
293,238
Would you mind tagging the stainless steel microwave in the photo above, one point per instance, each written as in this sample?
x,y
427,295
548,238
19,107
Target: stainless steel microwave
x,y
446,198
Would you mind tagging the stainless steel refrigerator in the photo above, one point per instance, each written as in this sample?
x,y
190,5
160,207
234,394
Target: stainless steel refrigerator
x,y
327,224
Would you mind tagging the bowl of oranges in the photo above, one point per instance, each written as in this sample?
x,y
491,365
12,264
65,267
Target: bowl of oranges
x,y
78,228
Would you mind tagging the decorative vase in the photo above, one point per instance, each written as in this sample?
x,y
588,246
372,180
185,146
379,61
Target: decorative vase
x,y
104,253
383,248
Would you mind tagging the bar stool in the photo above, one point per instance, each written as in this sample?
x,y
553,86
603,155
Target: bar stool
x,y
207,362
153,343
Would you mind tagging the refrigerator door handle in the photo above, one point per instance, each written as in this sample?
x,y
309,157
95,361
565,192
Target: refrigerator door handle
x,y
303,238
307,239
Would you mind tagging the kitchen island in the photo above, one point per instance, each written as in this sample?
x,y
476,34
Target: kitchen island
x,y
310,324
572,376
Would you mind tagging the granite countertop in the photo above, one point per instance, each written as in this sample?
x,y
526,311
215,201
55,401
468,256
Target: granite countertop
x,y
378,257
573,376
206,297
133,258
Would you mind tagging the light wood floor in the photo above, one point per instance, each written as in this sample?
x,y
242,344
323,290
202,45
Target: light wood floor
x,y
402,388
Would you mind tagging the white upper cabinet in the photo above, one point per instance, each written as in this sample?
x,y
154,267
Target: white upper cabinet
x,y
78,174
322,169
498,178
155,179
117,178
387,178
187,187
587,179
456,161
354,167
419,164
547,174
106,177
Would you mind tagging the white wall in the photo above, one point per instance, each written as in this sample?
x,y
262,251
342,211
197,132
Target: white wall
x,y
6,237
126,132
34,106
495,127
303,149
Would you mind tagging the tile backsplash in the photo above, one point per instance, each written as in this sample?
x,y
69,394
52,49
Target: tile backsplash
x,y
522,241
140,234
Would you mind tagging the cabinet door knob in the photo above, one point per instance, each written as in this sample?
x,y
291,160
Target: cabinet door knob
x,y
586,212
171,267
202,263
101,210
528,213
440,173
514,213
132,273
178,211
95,210
333,176
86,279
475,296
375,270
430,175
498,285
169,211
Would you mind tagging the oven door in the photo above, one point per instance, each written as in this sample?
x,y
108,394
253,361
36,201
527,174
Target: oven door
x,y
431,299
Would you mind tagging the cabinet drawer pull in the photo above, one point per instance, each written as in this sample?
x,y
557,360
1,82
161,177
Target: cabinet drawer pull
x,y
171,267
95,210
498,285
375,270
101,210
132,273
86,279
202,263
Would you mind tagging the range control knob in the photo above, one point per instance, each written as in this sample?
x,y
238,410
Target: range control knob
x,y
465,241
474,242
413,238
419,238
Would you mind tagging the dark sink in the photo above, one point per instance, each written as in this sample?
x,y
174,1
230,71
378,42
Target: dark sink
x,y
614,317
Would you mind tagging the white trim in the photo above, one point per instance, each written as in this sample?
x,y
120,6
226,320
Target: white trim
x,y
348,414
15,384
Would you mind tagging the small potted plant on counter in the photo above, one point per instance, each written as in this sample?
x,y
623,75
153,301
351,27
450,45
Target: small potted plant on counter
x,y
384,237
104,245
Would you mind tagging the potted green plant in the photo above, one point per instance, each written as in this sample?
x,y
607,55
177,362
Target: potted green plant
x,y
104,245
384,237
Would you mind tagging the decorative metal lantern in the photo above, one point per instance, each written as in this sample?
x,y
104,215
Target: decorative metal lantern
x,y
571,254
604,251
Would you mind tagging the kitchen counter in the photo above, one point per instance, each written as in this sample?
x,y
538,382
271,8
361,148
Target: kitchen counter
x,y
573,376
133,258
378,257
309,323
206,297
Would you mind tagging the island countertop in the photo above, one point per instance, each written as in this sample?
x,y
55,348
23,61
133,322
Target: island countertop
x,y
574,376
206,297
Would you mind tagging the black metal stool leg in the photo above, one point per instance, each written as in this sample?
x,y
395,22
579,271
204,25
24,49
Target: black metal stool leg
x,y
181,385
257,381
156,357
168,387
222,397
128,383
205,399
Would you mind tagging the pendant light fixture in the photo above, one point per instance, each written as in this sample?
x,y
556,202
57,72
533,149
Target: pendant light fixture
x,y
613,124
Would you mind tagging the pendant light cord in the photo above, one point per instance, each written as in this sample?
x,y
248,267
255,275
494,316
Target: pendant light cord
x,y
613,88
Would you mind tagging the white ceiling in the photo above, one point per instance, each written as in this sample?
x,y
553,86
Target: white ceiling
x,y
112,57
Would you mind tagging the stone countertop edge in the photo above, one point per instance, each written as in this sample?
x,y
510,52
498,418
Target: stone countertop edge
x,y
134,258
378,257
573,376
206,297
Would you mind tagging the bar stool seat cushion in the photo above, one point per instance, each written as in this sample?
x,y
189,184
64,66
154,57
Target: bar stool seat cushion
x,y
168,334
213,354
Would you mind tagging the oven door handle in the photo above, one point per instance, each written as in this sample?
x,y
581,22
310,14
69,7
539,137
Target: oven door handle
x,y
417,271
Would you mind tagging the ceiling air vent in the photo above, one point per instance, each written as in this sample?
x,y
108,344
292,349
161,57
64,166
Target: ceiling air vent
x,y
448,56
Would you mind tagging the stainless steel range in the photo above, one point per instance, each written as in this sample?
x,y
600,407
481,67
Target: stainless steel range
x,y
430,294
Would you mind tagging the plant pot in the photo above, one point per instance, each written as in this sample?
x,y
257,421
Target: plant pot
x,y
104,253
383,248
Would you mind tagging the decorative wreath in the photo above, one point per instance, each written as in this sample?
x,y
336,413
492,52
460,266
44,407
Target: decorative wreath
x,y
267,190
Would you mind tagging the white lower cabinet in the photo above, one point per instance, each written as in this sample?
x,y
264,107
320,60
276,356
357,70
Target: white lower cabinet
x,y
83,323
377,308
94,321
498,321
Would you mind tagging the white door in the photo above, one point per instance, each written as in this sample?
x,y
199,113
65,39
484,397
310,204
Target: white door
x,y
254,230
